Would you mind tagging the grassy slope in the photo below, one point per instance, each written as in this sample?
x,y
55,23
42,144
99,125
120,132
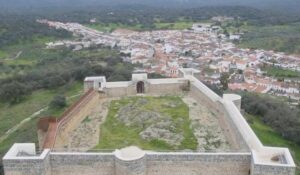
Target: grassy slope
x,y
269,137
114,134
12,115
26,134
32,52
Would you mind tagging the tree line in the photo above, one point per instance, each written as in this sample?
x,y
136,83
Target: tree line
x,y
275,113
54,73
15,28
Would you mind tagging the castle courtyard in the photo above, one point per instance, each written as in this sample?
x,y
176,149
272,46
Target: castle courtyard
x,y
161,123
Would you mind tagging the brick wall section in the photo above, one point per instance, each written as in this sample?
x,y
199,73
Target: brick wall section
x,y
232,131
198,164
120,91
272,170
134,167
82,164
27,166
166,89
150,89
150,164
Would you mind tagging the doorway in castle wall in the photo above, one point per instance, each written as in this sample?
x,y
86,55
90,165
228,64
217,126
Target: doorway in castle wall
x,y
140,87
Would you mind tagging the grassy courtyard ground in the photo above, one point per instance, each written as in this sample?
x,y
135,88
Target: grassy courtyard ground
x,y
115,133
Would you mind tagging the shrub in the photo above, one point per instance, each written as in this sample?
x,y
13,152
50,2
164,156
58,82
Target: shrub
x,y
14,92
58,101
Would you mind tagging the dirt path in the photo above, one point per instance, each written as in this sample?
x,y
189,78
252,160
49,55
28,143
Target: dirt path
x,y
15,57
206,127
86,136
26,120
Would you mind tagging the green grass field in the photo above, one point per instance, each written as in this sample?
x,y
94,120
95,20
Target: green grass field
x,y
282,38
269,137
112,26
180,25
3,54
281,73
115,134
30,53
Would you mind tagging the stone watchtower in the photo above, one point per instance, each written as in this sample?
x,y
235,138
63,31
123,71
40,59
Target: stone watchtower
x,y
97,83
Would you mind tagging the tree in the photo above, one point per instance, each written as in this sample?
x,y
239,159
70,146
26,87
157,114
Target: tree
x,y
14,92
226,33
58,101
224,79
273,112
215,88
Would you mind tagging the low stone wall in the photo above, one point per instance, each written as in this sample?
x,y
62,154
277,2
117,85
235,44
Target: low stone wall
x,y
152,87
131,167
119,91
198,164
21,159
27,167
166,89
272,170
150,164
82,163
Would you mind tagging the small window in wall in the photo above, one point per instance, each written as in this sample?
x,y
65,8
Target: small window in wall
x,y
99,84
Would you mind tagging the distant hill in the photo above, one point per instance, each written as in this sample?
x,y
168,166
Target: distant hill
x,y
284,6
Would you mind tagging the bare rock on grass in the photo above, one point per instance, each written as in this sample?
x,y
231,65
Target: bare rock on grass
x,y
162,131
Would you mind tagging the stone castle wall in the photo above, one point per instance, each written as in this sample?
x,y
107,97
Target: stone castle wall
x,y
198,164
272,170
119,91
150,164
151,88
154,163
232,135
82,164
27,167
172,88
78,115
